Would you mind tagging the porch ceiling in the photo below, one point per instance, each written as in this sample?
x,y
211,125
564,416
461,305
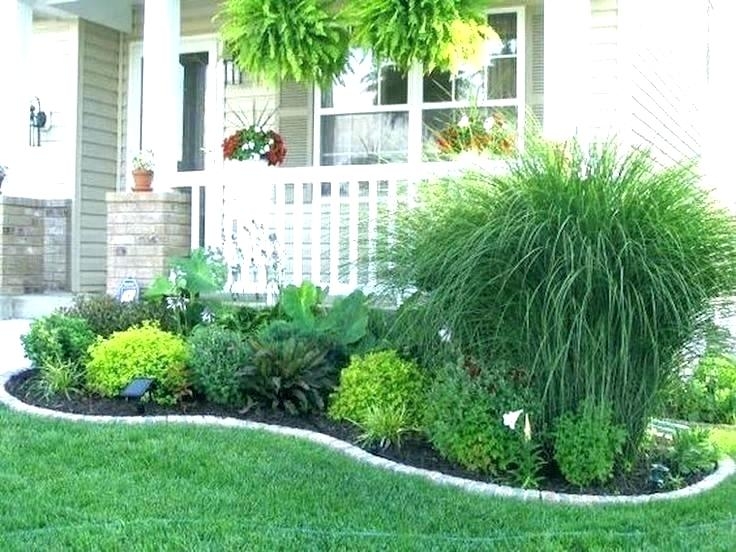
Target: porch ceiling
x,y
116,14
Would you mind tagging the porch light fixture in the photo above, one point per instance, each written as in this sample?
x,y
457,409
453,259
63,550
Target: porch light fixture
x,y
36,122
135,390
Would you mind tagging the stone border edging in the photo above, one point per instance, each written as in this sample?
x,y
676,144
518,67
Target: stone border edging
x,y
726,466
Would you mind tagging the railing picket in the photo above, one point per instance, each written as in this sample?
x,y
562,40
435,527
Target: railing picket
x,y
354,203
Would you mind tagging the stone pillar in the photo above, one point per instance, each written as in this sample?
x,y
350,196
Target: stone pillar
x,y
144,231
162,87
57,244
567,32
21,246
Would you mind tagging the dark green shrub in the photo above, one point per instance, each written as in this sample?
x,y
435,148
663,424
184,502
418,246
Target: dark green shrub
x,y
105,314
244,319
58,338
586,444
590,269
463,419
708,395
289,369
146,351
381,381
216,357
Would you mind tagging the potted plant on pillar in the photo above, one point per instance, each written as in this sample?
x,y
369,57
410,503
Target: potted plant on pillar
x,y
143,171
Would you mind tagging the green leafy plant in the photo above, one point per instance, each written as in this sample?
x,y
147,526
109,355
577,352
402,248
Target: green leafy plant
x,y
346,321
382,381
306,41
383,425
59,378
289,369
587,443
436,33
706,395
463,419
242,318
105,314
145,351
589,268
692,452
203,271
58,338
216,356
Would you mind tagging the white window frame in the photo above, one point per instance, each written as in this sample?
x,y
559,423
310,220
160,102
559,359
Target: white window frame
x,y
415,105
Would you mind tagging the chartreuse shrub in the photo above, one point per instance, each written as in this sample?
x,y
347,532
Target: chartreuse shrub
x,y
706,395
587,443
589,268
378,386
464,420
216,357
290,368
145,351
59,338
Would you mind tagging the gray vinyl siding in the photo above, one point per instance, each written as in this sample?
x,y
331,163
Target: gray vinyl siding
x,y
296,108
97,152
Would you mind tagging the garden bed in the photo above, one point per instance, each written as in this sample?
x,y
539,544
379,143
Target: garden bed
x,y
414,451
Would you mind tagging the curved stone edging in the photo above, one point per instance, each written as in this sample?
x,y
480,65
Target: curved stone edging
x,y
726,466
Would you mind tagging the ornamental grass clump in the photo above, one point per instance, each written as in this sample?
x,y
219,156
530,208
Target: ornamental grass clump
x,y
590,269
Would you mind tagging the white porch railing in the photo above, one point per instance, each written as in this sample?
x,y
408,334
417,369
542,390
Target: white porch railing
x,y
286,225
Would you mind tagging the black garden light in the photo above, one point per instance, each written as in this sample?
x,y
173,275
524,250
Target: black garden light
x,y
135,390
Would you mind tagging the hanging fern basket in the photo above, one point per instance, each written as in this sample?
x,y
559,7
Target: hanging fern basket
x,y
306,41
439,34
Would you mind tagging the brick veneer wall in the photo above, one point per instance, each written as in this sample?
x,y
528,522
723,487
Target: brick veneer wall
x,y
34,245
144,230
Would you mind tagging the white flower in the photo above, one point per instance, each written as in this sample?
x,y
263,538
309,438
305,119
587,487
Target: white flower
x,y
527,428
488,124
510,418
208,316
445,334
270,141
464,122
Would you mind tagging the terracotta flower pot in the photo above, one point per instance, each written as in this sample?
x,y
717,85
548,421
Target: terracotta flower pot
x,y
142,181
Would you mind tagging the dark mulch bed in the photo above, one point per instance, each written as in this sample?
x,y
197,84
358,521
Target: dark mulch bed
x,y
414,451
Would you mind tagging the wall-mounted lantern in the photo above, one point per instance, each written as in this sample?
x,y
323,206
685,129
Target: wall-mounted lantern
x,y
37,122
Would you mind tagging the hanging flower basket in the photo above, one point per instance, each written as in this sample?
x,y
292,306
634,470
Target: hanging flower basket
x,y
439,34
306,41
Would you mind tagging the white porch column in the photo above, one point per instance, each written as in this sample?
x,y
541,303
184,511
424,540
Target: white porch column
x,y
16,26
566,67
161,121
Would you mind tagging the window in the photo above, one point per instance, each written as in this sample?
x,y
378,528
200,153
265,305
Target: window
x,y
379,115
365,118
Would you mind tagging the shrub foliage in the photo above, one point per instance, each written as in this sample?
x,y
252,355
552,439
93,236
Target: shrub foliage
x,y
58,338
216,358
381,381
589,268
146,351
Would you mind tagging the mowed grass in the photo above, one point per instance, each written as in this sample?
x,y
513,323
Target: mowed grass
x,y
69,486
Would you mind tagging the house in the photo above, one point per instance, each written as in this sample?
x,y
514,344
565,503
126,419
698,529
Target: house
x,y
634,70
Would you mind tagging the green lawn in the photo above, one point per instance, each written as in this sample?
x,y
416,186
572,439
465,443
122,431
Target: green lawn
x,y
89,487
